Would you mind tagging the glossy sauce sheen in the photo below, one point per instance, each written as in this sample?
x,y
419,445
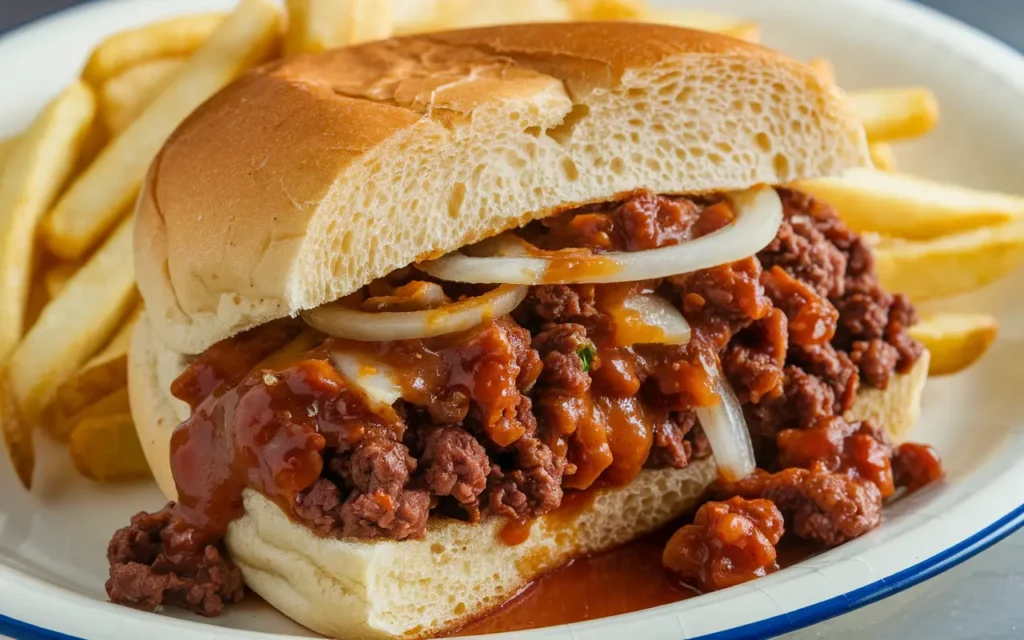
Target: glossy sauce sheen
x,y
623,580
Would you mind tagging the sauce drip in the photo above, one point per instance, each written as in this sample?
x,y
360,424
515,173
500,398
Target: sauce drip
x,y
629,578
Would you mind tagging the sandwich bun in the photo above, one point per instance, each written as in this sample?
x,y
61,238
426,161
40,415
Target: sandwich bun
x,y
459,571
312,176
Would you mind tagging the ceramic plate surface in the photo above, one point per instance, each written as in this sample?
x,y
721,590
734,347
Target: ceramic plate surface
x,y
52,542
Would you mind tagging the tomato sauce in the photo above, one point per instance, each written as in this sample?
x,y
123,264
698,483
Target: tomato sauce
x,y
629,578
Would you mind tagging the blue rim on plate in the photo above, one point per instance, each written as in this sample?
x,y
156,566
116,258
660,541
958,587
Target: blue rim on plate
x,y
768,627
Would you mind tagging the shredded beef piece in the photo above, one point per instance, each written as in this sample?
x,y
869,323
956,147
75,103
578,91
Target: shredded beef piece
x,y
456,464
562,396
729,543
645,220
902,316
804,399
318,506
490,371
649,221
754,359
863,314
916,465
678,440
833,367
803,251
812,318
730,295
858,449
819,505
559,347
534,487
143,577
379,504
560,303
380,515
876,359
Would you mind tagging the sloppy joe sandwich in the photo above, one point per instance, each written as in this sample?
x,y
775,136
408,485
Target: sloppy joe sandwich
x,y
431,316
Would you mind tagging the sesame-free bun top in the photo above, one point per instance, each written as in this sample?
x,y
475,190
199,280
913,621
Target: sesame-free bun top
x,y
312,176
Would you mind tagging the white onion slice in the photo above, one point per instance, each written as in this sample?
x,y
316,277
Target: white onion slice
x,y
727,433
758,217
374,378
647,318
340,321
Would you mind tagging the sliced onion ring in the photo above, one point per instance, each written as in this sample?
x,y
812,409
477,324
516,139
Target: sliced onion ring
x,y
758,217
649,318
340,321
727,433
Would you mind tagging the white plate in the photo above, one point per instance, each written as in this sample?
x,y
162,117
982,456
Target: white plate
x,y
52,542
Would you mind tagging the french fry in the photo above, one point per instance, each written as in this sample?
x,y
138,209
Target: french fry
x,y
107,449
6,149
174,37
103,374
40,163
55,278
707,21
61,425
952,264
825,69
955,340
17,433
607,9
903,206
127,94
896,114
882,156
93,202
318,25
75,323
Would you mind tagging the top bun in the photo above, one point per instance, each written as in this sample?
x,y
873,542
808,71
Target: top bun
x,y
312,176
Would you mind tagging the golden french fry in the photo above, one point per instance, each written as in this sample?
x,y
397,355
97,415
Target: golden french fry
x,y
38,298
6,149
955,340
93,202
825,69
127,94
75,323
883,156
897,113
607,9
457,14
55,278
40,163
107,449
318,25
903,206
17,433
706,21
950,265
103,374
174,37
60,425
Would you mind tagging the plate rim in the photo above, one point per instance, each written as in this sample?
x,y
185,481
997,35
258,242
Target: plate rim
x,y
1002,59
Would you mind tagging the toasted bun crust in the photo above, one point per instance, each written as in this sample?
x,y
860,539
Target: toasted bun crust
x,y
416,588
314,175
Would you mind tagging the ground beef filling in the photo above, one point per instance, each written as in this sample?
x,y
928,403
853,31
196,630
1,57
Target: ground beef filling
x,y
506,418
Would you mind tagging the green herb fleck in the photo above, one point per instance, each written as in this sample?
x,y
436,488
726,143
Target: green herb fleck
x,y
587,354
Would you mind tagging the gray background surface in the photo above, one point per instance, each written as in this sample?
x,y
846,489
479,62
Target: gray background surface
x,y
983,598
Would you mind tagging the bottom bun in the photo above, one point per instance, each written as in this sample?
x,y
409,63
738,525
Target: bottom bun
x,y
357,589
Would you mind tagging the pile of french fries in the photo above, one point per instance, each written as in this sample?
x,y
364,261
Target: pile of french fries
x,y
69,180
